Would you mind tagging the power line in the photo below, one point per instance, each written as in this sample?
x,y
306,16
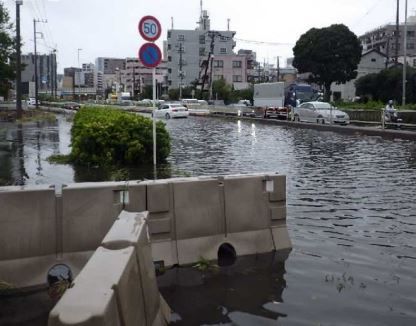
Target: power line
x,y
262,42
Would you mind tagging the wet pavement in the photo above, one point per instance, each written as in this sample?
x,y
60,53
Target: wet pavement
x,y
351,219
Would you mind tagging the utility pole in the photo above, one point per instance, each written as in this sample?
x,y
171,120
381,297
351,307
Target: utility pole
x,y
181,73
19,111
133,79
36,59
278,68
397,33
404,56
79,74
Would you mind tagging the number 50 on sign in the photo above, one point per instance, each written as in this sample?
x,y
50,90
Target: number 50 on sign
x,y
149,27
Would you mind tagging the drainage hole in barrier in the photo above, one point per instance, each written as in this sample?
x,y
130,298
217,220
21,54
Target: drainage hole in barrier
x,y
226,255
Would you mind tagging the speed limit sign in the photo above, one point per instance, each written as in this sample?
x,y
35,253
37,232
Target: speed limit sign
x,y
150,28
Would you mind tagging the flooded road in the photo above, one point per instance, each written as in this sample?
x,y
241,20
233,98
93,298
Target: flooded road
x,y
351,219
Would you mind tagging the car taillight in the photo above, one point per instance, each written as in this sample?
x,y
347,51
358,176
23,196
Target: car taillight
x,y
175,110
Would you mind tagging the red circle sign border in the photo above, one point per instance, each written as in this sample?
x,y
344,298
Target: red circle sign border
x,y
142,49
144,36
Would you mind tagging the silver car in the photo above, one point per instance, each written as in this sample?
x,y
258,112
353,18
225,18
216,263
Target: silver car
x,y
171,110
320,112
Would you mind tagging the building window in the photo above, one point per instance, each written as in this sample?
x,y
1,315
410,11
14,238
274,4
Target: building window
x,y
169,58
218,63
410,46
202,39
223,51
236,64
180,37
168,46
202,51
169,34
224,38
373,59
237,78
410,33
169,70
218,77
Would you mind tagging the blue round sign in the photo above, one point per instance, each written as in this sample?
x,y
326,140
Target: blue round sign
x,y
150,55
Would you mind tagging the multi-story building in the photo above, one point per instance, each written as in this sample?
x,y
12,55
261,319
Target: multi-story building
x,y
187,50
135,77
383,39
108,66
107,74
232,68
46,71
251,64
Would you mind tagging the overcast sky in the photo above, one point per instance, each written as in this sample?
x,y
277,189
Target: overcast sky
x,y
108,28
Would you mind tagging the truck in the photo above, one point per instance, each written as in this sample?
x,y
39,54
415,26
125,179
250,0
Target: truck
x,y
270,97
297,93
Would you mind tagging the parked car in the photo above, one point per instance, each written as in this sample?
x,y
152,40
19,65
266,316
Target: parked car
x,y
71,106
171,110
32,101
320,112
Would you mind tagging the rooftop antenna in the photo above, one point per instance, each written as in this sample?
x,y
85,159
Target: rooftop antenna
x,y
228,23
201,9
172,22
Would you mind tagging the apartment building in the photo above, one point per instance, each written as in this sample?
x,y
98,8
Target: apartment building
x,y
186,50
46,71
232,68
135,77
383,39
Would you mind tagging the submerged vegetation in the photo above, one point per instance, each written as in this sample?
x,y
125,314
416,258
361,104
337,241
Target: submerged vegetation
x,y
105,136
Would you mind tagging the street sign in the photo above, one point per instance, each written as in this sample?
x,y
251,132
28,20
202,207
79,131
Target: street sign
x,y
150,28
150,55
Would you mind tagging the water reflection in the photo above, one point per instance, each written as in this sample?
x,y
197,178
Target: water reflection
x,y
228,294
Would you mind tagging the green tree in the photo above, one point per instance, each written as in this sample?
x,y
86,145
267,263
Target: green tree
x,y
329,54
7,52
387,85
222,90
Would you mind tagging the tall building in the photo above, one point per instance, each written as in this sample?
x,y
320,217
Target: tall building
x,y
135,77
187,50
383,39
46,71
108,66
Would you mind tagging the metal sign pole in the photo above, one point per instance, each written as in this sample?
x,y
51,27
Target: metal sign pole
x,y
154,131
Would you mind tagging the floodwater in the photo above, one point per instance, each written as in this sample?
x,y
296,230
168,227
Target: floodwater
x,y
351,219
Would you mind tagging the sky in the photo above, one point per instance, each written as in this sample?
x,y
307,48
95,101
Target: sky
x,y
108,28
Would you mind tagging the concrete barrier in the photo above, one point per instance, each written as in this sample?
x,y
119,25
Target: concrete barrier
x,y
188,218
197,215
118,284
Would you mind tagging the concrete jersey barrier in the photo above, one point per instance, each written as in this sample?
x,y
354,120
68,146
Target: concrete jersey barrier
x,y
118,285
189,218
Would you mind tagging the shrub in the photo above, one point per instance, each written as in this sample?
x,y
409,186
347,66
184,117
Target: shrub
x,y
104,136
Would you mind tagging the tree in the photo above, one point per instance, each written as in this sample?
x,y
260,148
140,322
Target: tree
x,y
7,52
387,85
329,54
222,90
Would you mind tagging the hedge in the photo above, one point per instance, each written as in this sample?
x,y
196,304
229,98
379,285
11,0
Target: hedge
x,y
103,135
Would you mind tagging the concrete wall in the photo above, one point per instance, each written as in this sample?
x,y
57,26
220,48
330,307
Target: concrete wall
x,y
118,284
189,218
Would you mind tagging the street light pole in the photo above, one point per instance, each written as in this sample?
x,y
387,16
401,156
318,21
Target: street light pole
x,y
36,59
19,111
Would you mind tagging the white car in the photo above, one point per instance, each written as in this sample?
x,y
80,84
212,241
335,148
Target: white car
x,y
320,112
171,110
32,101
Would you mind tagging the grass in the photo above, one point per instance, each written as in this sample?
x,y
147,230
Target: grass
x,y
59,159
